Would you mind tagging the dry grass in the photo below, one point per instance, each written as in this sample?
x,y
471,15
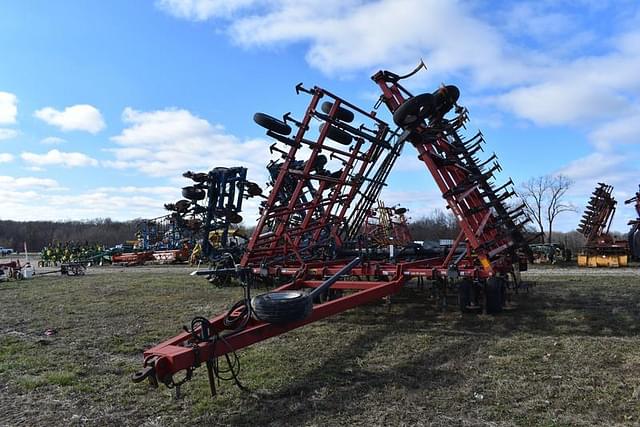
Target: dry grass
x,y
569,355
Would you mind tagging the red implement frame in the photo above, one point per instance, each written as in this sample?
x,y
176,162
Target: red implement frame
x,y
290,228
308,205
487,226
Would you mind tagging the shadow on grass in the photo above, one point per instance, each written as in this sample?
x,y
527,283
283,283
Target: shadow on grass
x,y
342,384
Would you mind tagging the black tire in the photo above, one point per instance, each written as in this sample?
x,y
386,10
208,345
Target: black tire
x,y
634,241
200,177
234,218
445,98
494,292
182,205
282,307
271,123
464,294
338,135
414,110
342,114
193,193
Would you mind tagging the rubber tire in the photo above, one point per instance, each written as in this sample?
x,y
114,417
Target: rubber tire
x,y
200,177
494,295
193,193
342,114
634,241
414,110
338,135
445,98
295,306
234,218
271,123
464,294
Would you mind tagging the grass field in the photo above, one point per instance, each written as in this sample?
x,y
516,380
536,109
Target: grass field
x,y
568,355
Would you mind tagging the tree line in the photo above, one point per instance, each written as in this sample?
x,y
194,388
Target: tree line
x,y
38,234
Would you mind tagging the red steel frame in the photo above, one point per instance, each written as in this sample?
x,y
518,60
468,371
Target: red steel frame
x,y
273,249
478,222
276,235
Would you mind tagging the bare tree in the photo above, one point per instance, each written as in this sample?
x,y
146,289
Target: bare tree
x,y
544,199
558,186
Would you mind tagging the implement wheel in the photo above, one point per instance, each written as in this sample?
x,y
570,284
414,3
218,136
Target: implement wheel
x,y
414,110
341,114
271,123
282,307
193,193
464,295
338,135
494,293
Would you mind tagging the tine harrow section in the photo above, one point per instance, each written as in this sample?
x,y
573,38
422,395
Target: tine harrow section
x,y
491,229
330,171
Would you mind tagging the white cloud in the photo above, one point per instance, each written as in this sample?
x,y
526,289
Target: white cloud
x,y
622,130
43,199
27,182
540,61
169,142
56,157
52,140
82,117
8,133
8,108
200,10
6,158
613,169
563,102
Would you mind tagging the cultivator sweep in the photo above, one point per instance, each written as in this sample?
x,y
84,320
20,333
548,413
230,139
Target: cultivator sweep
x,y
600,249
322,190
634,233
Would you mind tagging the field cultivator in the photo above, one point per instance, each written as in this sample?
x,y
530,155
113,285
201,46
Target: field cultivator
x,y
634,233
330,173
201,226
601,250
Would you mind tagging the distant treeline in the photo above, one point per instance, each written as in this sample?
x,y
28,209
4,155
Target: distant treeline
x,y
438,225
38,234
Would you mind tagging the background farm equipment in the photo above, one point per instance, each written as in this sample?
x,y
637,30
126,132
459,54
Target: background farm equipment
x,y
634,233
319,201
386,226
601,250
58,253
549,253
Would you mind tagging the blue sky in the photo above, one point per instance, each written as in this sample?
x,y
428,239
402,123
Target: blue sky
x,y
104,104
